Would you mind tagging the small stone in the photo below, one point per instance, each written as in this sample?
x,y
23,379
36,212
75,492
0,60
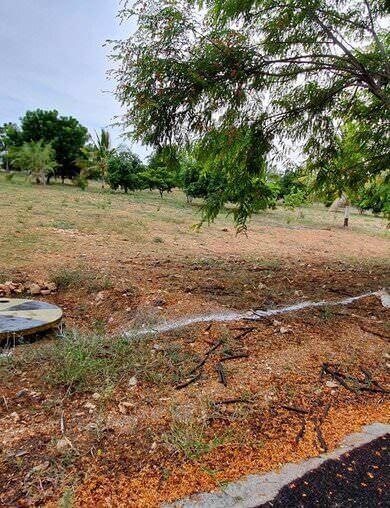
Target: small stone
x,y
21,453
283,329
45,292
22,393
133,381
385,299
96,396
261,285
15,416
125,406
63,444
159,302
35,289
331,384
276,322
90,406
157,347
52,286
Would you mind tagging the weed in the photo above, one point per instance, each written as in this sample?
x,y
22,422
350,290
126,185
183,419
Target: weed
x,y
188,438
65,278
67,499
86,363
326,313
158,239
63,224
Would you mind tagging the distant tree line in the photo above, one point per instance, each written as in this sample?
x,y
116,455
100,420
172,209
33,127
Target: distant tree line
x,y
49,146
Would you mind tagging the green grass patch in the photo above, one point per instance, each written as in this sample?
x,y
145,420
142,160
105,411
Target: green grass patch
x,y
77,362
65,278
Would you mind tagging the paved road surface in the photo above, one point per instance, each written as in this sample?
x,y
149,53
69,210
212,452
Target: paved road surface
x,y
360,478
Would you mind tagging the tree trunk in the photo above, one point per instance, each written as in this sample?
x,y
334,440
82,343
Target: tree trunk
x,y
346,215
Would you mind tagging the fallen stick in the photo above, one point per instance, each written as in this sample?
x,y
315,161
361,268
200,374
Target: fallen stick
x,y
342,379
234,357
188,382
370,330
207,354
338,376
221,374
368,379
243,334
301,432
230,401
374,390
317,427
296,410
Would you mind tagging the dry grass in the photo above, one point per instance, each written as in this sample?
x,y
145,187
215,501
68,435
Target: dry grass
x,y
44,222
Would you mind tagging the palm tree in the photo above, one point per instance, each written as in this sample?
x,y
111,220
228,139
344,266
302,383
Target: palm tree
x,y
36,157
95,158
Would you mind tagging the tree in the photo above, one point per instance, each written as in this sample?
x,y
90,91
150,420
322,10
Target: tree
x,y
65,134
123,171
10,136
291,182
36,157
158,174
245,80
375,196
193,182
95,158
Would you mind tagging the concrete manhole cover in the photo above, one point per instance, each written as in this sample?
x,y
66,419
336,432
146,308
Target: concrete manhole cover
x,y
25,317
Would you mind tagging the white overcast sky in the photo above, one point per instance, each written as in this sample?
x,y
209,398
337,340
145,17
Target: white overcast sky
x,y
51,57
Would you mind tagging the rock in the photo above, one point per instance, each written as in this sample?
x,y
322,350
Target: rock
x,y
133,381
35,289
22,393
15,416
21,453
385,298
276,322
159,302
100,296
261,285
90,406
63,444
96,396
124,407
331,384
45,292
283,329
52,286
157,347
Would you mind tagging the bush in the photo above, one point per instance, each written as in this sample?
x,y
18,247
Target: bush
x,y
123,171
9,176
81,182
294,199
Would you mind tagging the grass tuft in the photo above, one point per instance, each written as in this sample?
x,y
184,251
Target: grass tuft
x,y
65,278
77,362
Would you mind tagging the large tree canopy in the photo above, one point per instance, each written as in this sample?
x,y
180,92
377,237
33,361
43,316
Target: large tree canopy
x,y
64,133
244,80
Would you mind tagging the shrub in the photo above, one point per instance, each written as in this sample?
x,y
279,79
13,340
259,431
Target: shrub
x,y
81,182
